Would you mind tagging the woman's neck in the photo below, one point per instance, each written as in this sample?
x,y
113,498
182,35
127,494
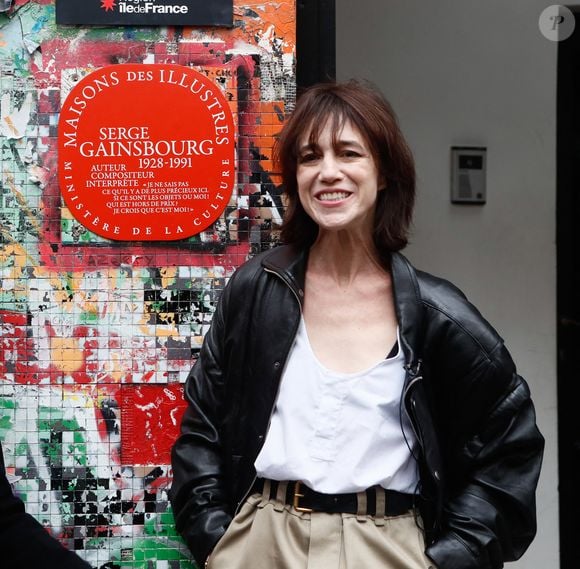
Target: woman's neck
x,y
343,256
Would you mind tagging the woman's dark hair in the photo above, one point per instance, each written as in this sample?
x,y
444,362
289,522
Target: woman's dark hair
x,y
368,111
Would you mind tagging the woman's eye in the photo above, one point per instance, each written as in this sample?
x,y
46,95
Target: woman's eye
x,y
351,154
307,157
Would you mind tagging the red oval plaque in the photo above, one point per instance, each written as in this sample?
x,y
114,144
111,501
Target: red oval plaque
x,y
146,152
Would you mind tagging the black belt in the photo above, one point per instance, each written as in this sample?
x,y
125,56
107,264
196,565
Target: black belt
x,y
305,499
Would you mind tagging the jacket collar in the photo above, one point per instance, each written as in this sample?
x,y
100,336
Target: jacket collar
x,y
409,308
290,264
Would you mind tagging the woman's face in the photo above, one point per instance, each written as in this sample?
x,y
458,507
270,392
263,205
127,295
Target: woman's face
x,y
338,183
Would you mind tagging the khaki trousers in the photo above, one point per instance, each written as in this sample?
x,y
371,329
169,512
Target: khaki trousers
x,y
268,534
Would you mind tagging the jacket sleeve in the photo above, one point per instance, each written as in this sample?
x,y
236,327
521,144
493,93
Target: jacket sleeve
x,y
23,540
199,492
489,514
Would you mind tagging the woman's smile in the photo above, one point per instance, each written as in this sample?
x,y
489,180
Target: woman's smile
x,y
332,196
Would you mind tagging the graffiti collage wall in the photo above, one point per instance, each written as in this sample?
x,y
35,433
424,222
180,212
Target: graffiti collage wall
x,y
97,336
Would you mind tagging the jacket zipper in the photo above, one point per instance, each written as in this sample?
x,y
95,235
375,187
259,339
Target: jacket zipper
x,y
414,374
413,419
247,492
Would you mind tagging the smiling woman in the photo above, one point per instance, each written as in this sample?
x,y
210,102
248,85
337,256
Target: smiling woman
x,y
338,385
326,109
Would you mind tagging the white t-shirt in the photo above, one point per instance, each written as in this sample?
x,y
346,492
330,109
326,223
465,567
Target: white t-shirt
x,y
339,432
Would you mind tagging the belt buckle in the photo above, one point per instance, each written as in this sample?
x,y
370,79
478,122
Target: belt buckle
x,y
296,500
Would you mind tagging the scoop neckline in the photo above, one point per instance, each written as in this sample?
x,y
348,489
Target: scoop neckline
x,y
348,375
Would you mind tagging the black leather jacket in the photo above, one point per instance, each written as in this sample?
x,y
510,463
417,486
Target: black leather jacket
x,y
480,450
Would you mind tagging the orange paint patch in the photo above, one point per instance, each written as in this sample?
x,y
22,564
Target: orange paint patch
x,y
67,356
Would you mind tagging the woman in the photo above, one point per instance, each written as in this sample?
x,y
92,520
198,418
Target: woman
x,y
347,410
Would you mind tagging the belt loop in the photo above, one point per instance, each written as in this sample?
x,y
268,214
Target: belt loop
x,y
266,489
281,496
380,505
361,506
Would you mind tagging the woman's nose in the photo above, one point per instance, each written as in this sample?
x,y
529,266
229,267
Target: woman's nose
x,y
329,168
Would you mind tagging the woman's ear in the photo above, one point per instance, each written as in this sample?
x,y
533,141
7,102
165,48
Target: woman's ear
x,y
382,182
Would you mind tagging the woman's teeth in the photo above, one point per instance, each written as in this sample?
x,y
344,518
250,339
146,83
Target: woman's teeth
x,y
333,196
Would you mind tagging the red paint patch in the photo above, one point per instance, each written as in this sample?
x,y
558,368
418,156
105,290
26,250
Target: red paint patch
x,y
150,421
13,343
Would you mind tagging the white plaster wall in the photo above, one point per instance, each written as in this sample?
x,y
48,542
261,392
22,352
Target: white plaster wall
x,y
466,72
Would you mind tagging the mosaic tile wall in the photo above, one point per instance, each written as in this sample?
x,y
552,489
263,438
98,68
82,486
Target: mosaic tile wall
x,y
97,337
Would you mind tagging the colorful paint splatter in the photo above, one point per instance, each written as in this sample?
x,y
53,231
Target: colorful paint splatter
x,y
97,337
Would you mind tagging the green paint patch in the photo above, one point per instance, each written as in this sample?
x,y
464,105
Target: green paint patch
x,y
162,524
148,549
89,318
21,449
6,403
5,423
50,419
